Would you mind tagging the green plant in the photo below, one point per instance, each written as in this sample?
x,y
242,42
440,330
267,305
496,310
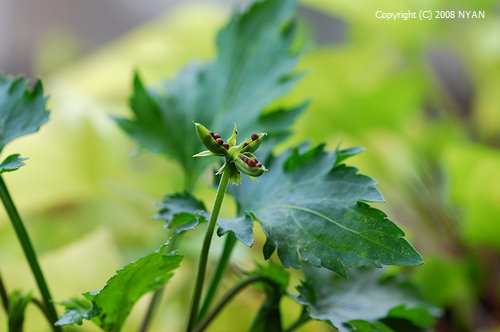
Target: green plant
x,y
312,207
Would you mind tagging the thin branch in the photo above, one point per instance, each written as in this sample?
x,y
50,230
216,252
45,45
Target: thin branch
x,y
202,266
219,272
40,306
304,317
155,299
29,252
226,298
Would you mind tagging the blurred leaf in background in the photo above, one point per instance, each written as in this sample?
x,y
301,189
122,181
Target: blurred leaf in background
x,y
22,108
366,296
234,88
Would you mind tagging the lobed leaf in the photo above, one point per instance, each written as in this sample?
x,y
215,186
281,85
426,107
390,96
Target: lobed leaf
x,y
12,163
76,311
110,306
241,227
181,212
314,211
365,296
22,111
253,68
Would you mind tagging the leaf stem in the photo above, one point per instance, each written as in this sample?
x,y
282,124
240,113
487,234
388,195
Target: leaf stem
x,y
304,317
226,298
219,272
40,306
3,295
202,266
155,299
29,252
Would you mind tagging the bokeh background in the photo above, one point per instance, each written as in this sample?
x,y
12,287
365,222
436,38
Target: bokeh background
x,y
422,97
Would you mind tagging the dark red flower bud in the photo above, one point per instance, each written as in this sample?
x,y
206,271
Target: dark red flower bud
x,y
216,136
212,134
259,165
219,141
254,136
226,146
245,144
251,163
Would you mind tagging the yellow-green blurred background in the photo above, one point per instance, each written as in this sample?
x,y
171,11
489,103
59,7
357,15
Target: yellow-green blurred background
x,y
422,96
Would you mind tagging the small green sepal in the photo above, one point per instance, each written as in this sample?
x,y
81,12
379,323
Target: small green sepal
x,y
12,163
205,153
232,140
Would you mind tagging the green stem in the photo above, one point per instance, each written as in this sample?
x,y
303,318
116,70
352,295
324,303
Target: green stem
x,y
304,317
202,266
29,252
219,272
40,306
229,296
155,299
3,295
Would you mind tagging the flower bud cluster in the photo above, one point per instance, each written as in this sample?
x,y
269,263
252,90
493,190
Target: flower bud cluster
x,y
239,158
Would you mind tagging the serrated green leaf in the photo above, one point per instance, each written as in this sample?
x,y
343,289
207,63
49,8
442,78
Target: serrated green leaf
x,y
309,207
76,311
181,212
253,68
364,296
12,163
242,228
17,307
22,110
114,302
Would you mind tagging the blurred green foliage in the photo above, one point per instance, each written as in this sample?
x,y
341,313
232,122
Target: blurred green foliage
x,y
83,194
